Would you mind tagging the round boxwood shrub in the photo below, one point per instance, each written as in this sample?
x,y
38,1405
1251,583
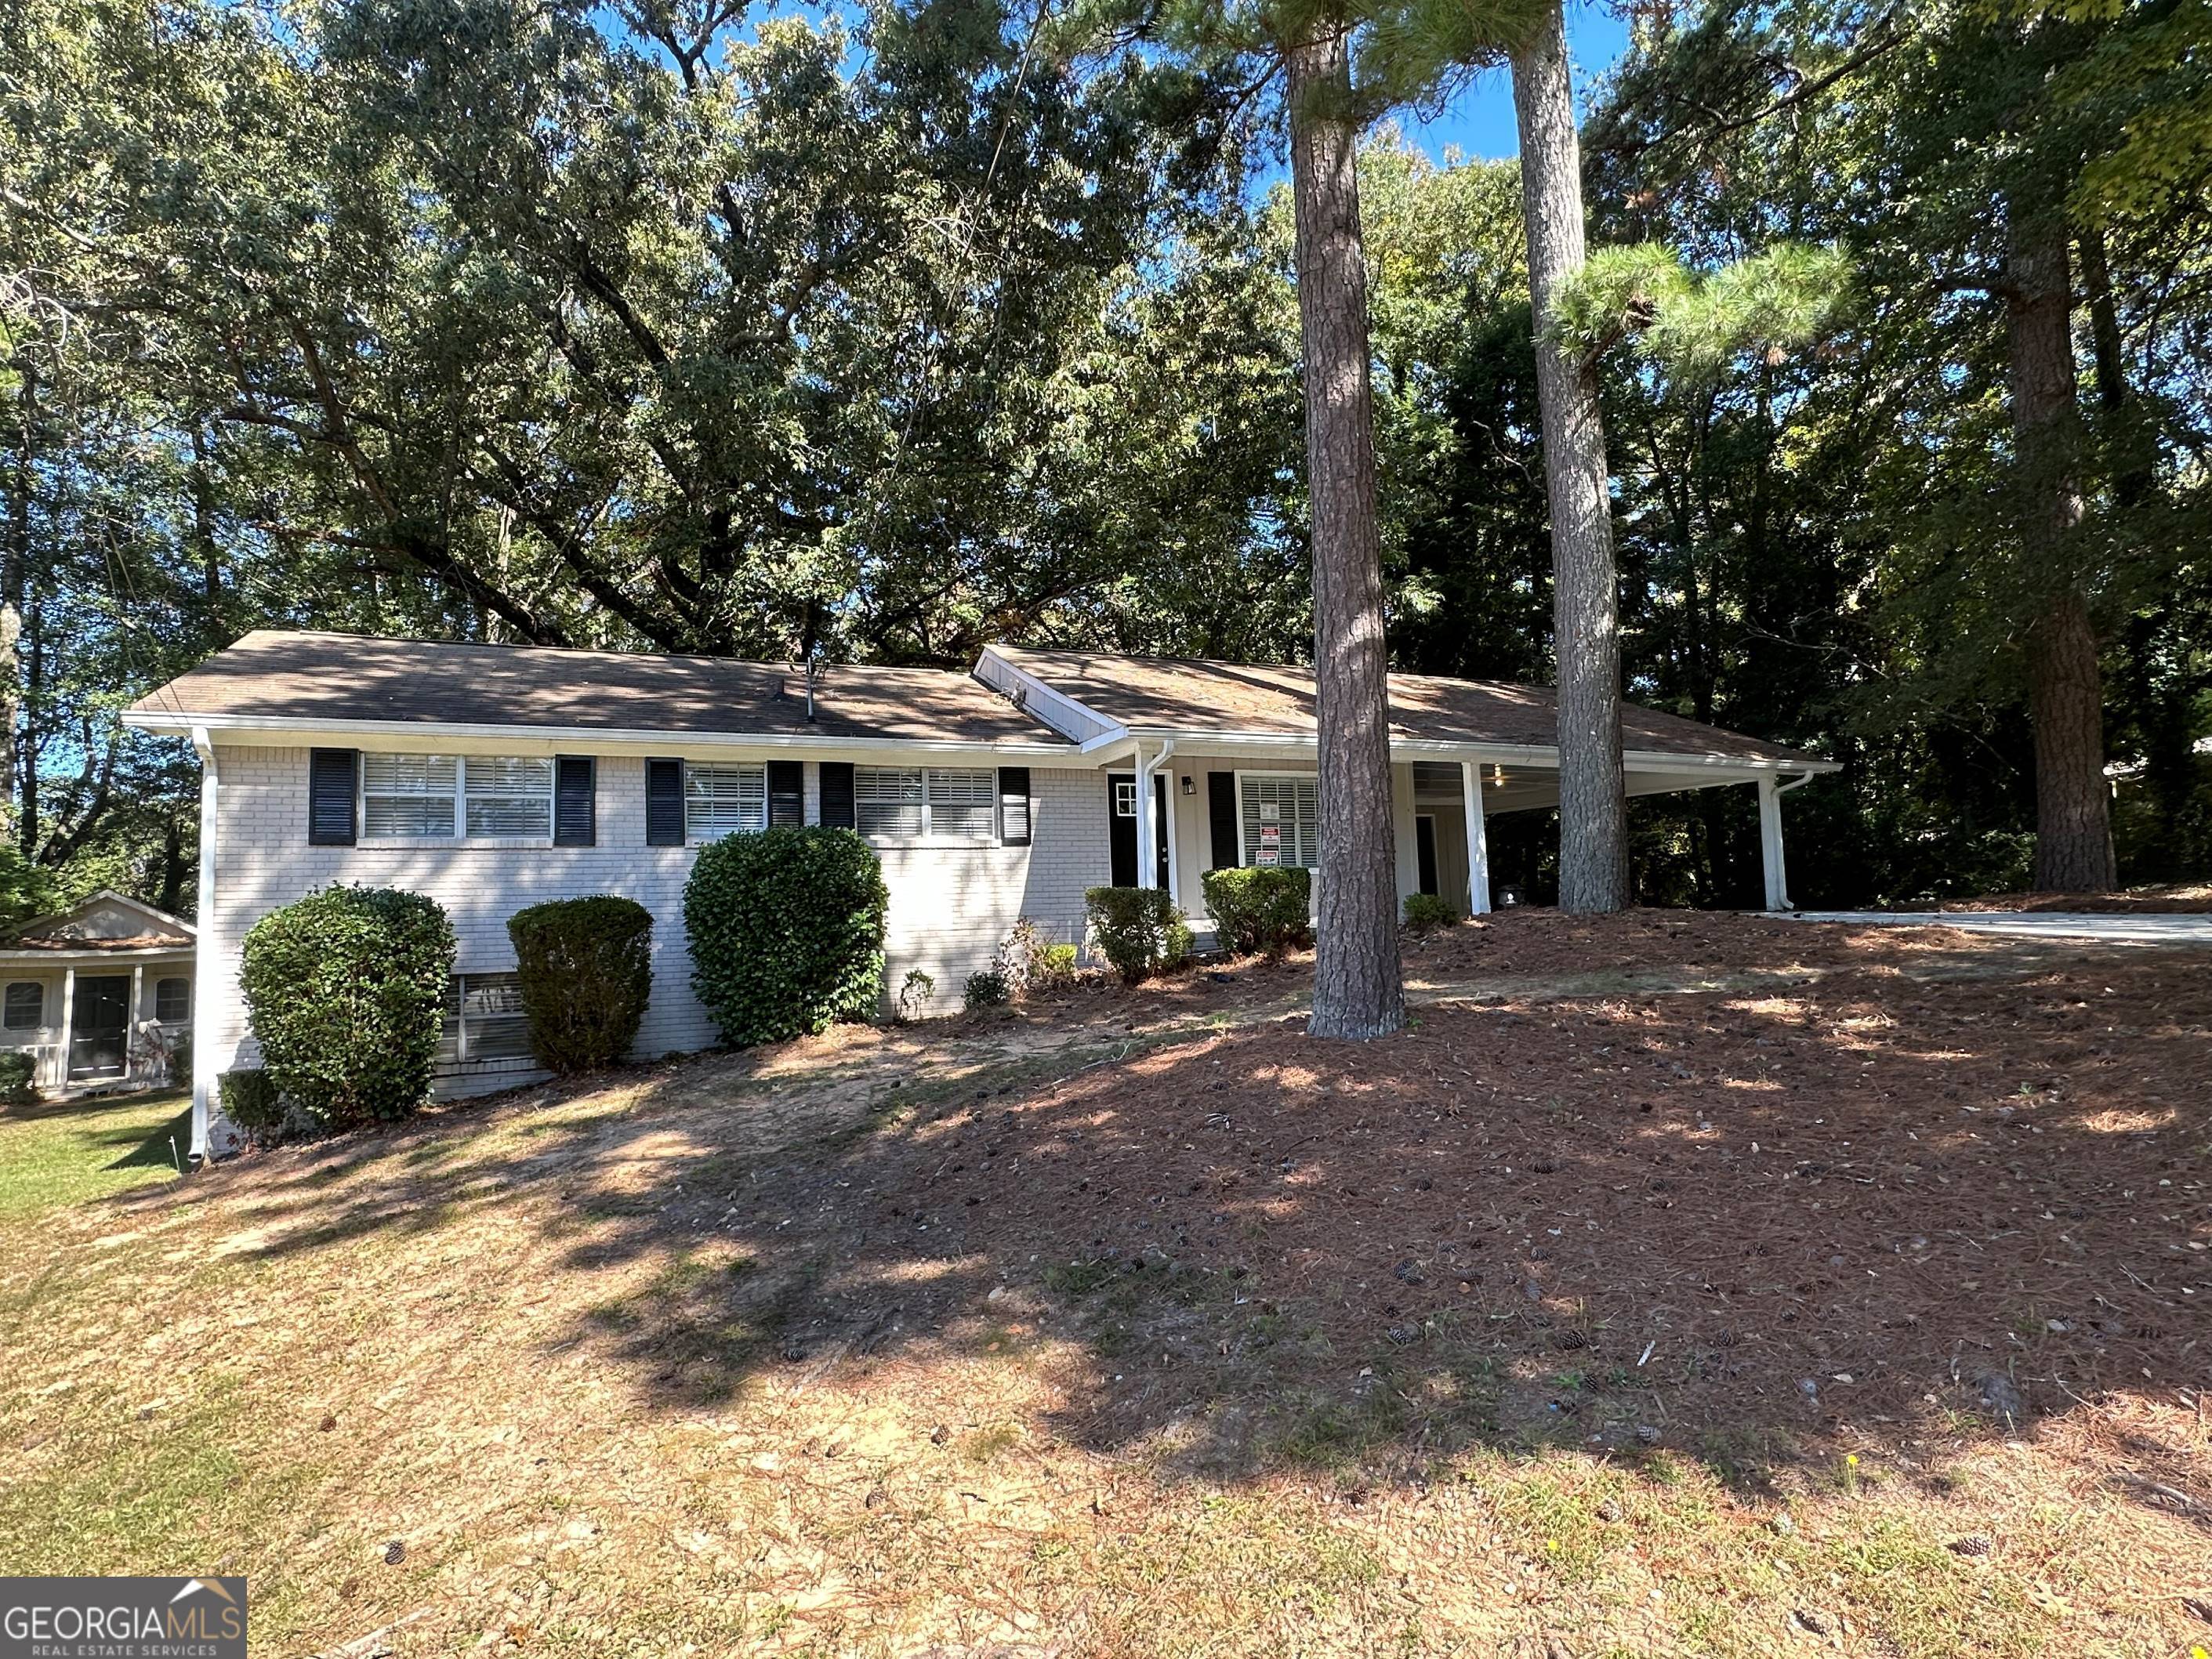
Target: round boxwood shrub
x,y
586,970
1140,931
346,991
1259,910
787,928
250,1100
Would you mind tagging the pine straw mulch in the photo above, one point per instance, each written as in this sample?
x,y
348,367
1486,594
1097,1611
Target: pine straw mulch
x,y
1856,1300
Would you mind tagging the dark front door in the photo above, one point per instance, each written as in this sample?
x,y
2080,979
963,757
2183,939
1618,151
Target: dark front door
x,y
1424,844
1121,825
100,1025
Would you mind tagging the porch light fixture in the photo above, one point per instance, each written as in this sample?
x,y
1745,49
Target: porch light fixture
x,y
1189,784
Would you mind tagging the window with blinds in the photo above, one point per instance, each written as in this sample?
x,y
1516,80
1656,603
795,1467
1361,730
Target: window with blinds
x,y
509,797
722,800
483,1020
445,797
960,804
887,801
1280,820
408,796
897,803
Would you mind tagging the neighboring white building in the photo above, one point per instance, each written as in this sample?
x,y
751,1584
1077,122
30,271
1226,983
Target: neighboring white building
x,y
99,995
493,777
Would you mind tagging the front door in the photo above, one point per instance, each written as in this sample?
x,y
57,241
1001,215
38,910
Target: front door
x,y
1121,825
100,1025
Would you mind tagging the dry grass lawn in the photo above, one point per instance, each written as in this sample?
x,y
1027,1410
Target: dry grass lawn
x,y
1679,1285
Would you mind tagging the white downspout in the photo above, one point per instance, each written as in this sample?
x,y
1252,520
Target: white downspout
x,y
204,976
1770,836
1175,864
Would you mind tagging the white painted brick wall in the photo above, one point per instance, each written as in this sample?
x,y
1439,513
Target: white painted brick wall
x,y
950,906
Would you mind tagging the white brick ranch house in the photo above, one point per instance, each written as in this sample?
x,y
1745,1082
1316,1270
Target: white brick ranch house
x,y
493,777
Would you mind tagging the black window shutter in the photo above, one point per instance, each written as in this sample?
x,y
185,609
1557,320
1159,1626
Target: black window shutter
x,y
786,791
837,795
663,802
576,801
1014,805
1221,814
330,777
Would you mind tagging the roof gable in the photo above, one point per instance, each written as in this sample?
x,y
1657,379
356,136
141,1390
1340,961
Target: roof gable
x,y
108,921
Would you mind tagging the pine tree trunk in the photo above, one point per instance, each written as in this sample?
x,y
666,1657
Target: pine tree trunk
x,y
1357,989
1586,626
2065,685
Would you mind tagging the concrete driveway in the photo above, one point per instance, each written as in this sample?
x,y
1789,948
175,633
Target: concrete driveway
x,y
2130,928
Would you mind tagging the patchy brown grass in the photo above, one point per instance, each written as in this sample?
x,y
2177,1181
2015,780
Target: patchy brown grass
x,y
1144,1324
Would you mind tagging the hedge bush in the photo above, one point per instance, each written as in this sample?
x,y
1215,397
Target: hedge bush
x,y
787,928
17,1068
584,967
346,991
1139,930
251,1101
1426,912
1259,912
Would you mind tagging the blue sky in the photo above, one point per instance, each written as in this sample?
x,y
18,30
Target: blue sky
x,y
1479,119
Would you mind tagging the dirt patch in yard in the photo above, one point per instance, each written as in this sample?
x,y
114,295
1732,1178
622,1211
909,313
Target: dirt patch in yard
x,y
1782,1285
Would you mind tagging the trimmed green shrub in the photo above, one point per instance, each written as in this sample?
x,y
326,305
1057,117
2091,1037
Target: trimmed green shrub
x,y
987,988
1426,912
1259,911
346,991
787,928
585,970
251,1101
17,1068
1139,930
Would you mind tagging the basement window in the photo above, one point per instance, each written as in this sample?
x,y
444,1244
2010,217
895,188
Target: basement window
x,y
483,1020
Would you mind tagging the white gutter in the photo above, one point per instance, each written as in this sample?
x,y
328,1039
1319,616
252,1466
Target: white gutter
x,y
204,978
1504,754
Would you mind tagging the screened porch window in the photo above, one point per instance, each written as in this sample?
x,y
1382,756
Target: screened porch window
x,y
484,1019
1279,819
897,803
720,800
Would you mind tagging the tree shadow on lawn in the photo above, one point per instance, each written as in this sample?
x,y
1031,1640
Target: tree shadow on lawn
x,y
1867,1216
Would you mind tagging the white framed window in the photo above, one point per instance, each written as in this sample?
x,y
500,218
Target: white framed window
x,y
173,1000
26,1006
938,803
1279,820
719,801
409,797
449,797
962,803
484,1019
887,801
509,800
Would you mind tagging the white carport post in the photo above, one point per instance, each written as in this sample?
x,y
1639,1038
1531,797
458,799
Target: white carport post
x,y
1478,838
204,978
1769,842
